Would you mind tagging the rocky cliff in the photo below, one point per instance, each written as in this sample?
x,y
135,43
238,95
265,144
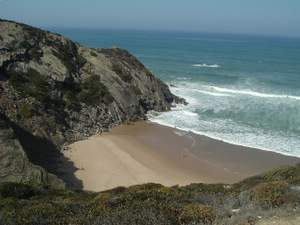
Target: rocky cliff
x,y
14,163
56,91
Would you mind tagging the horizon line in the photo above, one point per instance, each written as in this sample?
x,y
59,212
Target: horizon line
x,y
172,31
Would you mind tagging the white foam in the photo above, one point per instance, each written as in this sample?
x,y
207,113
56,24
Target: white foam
x,y
206,65
212,93
183,78
252,93
188,113
226,140
186,119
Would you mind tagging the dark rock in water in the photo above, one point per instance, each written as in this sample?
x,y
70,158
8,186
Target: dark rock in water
x,y
59,91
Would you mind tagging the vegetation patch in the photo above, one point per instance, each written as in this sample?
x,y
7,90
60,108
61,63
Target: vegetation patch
x,y
123,74
17,190
30,84
92,53
271,194
68,54
197,214
147,204
26,111
94,92
289,174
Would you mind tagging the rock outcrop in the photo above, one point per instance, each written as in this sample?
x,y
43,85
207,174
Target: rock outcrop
x,y
14,163
58,91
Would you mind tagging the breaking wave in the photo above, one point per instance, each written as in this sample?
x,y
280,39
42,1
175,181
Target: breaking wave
x,y
252,93
207,65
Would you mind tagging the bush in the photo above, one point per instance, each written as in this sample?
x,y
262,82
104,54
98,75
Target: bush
x,y
117,69
124,75
270,194
17,190
195,214
67,53
30,84
290,174
26,111
94,92
71,100
93,54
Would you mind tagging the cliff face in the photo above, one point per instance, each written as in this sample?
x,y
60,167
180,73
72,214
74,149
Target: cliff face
x,y
14,163
59,91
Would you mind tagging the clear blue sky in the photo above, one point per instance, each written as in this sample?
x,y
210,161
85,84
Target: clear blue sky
x,y
271,17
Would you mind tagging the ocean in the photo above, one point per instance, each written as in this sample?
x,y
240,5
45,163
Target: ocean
x,y
241,89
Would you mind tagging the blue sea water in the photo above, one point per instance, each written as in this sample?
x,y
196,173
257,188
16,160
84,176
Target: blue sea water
x,y
241,89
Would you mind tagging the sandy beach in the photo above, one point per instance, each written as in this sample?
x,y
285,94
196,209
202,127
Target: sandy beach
x,y
146,152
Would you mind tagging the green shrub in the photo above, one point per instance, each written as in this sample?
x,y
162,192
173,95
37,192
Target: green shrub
x,y
290,174
117,69
71,100
26,111
94,92
93,54
197,214
30,84
270,194
17,190
17,80
124,75
67,53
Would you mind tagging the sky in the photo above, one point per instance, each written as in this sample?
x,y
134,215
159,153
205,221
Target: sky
x,y
265,17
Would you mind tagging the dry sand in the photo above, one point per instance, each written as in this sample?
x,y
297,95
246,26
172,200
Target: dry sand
x,y
146,152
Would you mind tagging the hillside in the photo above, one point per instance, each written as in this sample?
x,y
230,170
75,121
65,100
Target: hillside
x,y
272,198
54,91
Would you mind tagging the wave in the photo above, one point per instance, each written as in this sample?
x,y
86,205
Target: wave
x,y
188,113
206,65
183,78
212,93
252,93
174,87
222,139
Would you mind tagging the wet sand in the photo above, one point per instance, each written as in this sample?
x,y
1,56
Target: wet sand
x,y
146,152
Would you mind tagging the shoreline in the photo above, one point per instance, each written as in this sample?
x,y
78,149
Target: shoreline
x,y
221,140
147,152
